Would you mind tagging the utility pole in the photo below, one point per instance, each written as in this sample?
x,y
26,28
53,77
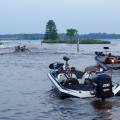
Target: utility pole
x,y
78,45
41,43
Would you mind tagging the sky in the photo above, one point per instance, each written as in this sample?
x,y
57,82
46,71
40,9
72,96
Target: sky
x,y
87,16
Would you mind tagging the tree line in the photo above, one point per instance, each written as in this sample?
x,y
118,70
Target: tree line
x,y
52,34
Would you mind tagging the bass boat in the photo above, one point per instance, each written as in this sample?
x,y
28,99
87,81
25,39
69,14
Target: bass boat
x,y
69,82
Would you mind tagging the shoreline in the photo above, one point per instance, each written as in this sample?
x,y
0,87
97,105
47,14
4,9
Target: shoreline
x,y
82,41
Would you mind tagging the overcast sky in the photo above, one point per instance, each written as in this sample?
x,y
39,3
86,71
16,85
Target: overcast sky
x,y
87,16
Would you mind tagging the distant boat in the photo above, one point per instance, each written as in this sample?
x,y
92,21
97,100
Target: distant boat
x,y
2,45
21,49
107,60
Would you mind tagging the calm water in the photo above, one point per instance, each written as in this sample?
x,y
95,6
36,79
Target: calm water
x,y
26,92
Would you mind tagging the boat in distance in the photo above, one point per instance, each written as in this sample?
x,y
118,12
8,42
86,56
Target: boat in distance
x,y
107,61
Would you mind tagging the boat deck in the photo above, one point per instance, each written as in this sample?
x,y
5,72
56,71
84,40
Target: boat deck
x,y
80,87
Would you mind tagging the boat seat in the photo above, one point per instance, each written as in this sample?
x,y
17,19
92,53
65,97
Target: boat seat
x,y
61,78
79,74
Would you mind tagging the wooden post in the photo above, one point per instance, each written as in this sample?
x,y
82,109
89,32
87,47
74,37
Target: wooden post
x,y
41,43
78,45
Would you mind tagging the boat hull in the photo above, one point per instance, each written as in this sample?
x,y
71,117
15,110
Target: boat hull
x,y
79,93
67,92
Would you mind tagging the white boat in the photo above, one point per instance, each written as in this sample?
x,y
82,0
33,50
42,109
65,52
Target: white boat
x,y
21,49
100,84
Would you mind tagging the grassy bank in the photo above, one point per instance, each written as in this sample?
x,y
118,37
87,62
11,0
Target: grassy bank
x,y
83,41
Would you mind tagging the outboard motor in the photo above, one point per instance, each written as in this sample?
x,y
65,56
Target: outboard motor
x,y
102,85
99,53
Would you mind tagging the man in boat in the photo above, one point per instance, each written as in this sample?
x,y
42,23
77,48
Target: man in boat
x,y
69,73
23,48
110,59
90,71
17,48
66,75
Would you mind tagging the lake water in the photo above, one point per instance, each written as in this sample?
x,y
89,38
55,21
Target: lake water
x,y
26,92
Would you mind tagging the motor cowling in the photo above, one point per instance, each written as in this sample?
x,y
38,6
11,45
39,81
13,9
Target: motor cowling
x,y
102,85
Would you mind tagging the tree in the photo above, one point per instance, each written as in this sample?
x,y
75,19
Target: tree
x,y
71,33
51,31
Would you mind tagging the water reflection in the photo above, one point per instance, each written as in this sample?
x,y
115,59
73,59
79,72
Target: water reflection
x,y
103,109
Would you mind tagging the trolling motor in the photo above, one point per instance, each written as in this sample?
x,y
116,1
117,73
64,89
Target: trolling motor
x,y
99,53
56,65
102,85
65,58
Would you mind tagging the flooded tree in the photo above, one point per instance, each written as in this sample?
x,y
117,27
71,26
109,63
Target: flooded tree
x,y
51,31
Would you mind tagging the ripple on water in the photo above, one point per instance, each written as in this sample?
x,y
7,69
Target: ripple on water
x,y
26,92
